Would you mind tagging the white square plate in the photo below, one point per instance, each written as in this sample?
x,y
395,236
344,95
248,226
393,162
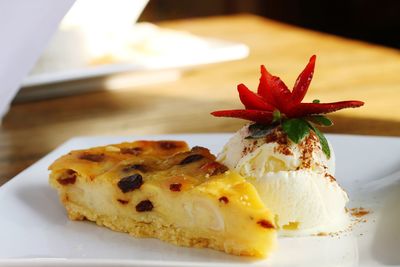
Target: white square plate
x,y
34,229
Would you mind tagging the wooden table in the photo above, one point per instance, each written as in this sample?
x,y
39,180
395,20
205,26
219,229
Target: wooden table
x,y
346,69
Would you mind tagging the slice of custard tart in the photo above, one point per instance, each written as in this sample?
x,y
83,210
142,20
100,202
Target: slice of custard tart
x,y
164,190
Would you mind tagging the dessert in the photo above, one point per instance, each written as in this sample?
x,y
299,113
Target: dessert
x,y
162,189
286,157
275,173
295,180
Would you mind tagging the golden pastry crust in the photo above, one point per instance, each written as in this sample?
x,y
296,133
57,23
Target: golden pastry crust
x,y
168,233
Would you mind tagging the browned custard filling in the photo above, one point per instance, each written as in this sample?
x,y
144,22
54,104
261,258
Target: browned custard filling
x,y
164,190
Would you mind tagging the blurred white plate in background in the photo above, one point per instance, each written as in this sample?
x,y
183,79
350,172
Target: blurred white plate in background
x,y
77,62
166,50
100,38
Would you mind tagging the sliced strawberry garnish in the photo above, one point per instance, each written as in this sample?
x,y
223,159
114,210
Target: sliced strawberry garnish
x,y
274,90
259,116
252,100
303,81
264,89
272,94
305,109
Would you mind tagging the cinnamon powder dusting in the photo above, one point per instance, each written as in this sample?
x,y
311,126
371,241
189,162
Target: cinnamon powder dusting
x,y
283,149
330,177
277,136
250,148
307,146
358,216
359,212
281,138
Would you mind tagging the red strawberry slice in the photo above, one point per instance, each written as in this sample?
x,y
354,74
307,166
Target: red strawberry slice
x,y
304,109
274,90
252,100
303,81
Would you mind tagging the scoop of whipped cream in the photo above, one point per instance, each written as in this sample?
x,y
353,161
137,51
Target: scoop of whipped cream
x,y
295,181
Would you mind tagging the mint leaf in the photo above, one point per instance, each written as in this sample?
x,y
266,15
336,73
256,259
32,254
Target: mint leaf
x,y
320,120
322,140
316,101
258,130
296,129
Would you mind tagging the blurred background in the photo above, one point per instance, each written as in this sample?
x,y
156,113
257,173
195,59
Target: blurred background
x,y
368,20
139,67
96,46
